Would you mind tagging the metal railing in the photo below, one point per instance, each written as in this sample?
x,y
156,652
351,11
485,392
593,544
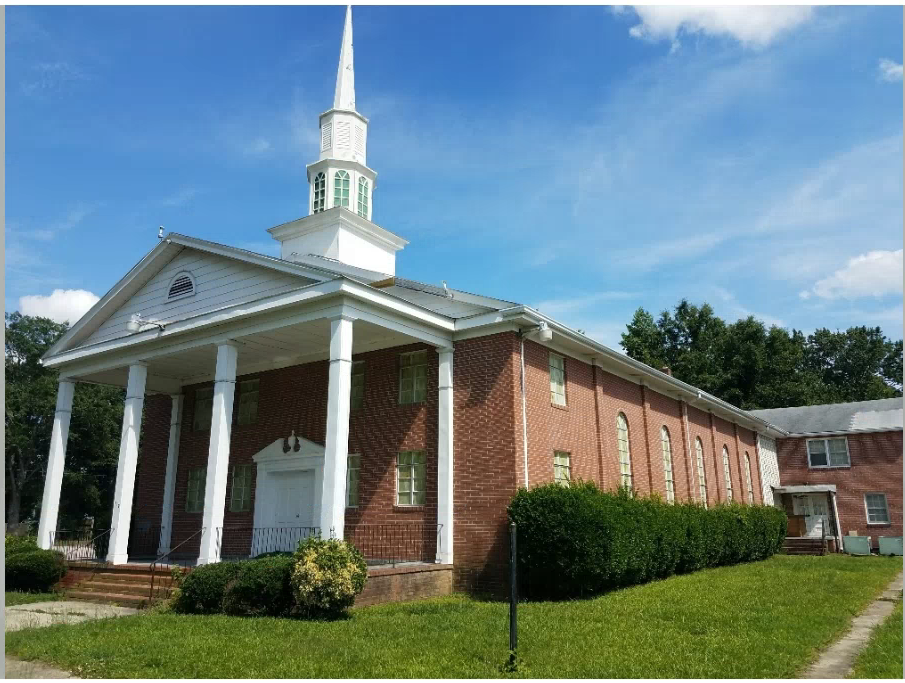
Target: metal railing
x,y
175,560
144,542
392,544
82,545
240,542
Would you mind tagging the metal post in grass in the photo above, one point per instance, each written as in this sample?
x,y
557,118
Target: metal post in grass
x,y
513,595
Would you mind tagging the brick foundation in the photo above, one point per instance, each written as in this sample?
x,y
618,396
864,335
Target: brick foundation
x,y
400,584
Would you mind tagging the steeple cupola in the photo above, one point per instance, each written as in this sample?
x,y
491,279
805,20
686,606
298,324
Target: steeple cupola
x,y
341,186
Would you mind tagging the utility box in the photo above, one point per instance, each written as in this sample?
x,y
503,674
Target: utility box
x,y
856,545
890,545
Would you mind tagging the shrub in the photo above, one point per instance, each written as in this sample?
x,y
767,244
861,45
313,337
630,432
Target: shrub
x,y
20,544
261,588
326,577
202,590
34,570
579,540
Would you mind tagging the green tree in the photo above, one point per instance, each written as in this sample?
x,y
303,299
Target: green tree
x,y
93,445
853,362
644,340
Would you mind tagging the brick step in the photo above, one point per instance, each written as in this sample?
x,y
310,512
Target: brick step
x,y
142,588
108,598
113,577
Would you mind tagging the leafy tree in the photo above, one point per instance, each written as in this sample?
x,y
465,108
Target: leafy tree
x,y
752,367
94,431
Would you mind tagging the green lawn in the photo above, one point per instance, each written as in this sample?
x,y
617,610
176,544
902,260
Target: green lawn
x,y
882,658
16,598
766,619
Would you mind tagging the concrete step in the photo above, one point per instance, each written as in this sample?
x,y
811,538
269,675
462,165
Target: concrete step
x,y
108,598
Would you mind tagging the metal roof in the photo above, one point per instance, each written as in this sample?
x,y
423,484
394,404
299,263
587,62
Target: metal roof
x,y
862,416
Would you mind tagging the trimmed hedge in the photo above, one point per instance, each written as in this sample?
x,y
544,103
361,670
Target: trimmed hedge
x,y
202,590
261,588
34,571
20,544
326,577
578,540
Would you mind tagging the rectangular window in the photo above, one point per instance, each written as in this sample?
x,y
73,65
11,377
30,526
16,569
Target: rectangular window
x,y
828,453
357,393
204,407
557,379
353,469
194,497
248,402
240,495
412,377
877,509
410,476
562,468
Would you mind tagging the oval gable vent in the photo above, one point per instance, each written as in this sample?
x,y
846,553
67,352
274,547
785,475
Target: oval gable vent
x,y
182,285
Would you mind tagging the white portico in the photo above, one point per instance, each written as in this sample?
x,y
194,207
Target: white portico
x,y
194,311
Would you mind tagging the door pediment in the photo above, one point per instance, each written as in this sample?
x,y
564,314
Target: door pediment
x,y
287,450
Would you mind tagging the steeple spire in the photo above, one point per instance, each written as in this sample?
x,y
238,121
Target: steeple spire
x,y
345,75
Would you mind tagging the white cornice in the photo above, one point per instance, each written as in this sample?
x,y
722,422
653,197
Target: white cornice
x,y
338,216
342,163
333,110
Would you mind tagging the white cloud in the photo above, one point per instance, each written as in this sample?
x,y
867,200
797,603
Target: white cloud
x,y
63,305
258,147
53,77
181,198
752,26
875,273
890,70
558,307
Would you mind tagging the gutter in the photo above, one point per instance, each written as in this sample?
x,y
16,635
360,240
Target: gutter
x,y
687,390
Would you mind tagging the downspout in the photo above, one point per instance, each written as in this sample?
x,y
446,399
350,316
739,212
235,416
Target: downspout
x,y
838,524
521,337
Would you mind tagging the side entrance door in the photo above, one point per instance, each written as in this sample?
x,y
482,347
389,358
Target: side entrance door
x,y
816,514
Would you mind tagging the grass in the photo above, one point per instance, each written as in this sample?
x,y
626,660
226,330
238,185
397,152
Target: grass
x,y
882,658
17,598
765,619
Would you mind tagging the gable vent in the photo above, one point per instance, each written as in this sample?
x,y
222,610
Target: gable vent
x,y
343,135
182,285
326,136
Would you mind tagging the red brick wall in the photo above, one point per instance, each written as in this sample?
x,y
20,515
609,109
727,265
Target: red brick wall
x,y
147,498
617,395
876,467
699,428
725,436
748,442
666,412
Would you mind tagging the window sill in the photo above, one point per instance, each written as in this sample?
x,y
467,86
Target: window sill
x,y
558,407
829,467
408,508
880,524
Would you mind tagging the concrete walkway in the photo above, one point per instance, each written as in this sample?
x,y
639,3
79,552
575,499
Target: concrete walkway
x,y
838,660
16,668
60,612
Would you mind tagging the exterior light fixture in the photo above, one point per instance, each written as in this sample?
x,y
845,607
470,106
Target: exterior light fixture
x,y
136,322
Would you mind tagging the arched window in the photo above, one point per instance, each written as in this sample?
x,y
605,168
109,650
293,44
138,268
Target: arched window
x,y
181,286
748,478
363,197
702,478
667,465
727,473
625,456
341,189
320,193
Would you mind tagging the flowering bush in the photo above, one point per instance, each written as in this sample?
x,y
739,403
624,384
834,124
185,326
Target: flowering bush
x,y
327,576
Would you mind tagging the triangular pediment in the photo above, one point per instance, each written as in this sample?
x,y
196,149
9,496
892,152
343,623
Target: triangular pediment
x,y
287,447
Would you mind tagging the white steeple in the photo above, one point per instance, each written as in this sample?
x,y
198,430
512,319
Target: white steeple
x,y
341,193
345,74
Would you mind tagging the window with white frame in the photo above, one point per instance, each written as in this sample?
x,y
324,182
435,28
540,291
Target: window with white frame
x,y
194,496
727,473
363,197
240,493
702,477
562,467
320,193
622,445
357,392
410,477
341,189
828,453
748,478
248,402
412,377
353,470
877,508
557,379
204,408
667,465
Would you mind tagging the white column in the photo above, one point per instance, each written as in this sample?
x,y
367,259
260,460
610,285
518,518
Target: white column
x,y
336,444
445,459
218,454
128,460
169,482
50,507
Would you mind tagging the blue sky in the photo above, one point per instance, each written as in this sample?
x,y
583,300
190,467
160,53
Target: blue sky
x,y
582,160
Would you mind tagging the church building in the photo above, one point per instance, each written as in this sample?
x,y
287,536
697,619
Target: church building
x,y
323,393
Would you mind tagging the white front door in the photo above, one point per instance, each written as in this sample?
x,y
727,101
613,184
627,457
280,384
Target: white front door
x,y
293,512
816,515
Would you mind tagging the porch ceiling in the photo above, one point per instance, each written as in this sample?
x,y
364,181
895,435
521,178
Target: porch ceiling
x,y
290,345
